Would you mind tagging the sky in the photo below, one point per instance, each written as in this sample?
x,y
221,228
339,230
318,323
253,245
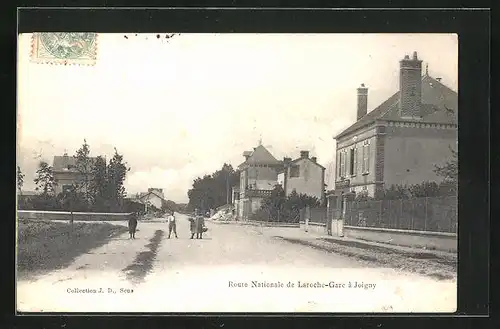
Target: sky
x,y
179,108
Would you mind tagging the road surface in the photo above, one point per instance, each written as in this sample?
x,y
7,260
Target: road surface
x,y
233,268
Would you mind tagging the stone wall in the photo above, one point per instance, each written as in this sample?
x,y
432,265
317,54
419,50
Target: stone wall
x,y
63,215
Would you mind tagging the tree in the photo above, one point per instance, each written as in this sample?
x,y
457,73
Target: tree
x,y
99,186
425,189
83,164
214,190
44,179
117,172
45,184
199,194
20,180
449,171
168,205
395,192
299,201
362,196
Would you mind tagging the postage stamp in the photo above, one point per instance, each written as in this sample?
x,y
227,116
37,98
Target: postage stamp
x,y
66,48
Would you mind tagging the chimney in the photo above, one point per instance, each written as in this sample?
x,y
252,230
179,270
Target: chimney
x,y
287,160
247,154
304,154
314,159
362,101
410,87
438,79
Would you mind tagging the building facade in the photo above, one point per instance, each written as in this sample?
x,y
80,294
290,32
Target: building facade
x,y
401,140
261,172
303,175
258,177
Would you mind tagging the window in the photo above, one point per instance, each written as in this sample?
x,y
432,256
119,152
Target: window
x,y
295,171
366,156
353,162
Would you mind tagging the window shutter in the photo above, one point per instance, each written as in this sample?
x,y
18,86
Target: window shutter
x,y
368,156
360,161
339,167
348,162
342,160
341,163
364,158
355,161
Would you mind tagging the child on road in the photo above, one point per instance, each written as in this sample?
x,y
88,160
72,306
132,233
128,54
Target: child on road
x,y
192,227
200,226
172,225
132,225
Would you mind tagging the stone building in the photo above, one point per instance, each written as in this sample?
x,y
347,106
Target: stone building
x,y
303,175
258,177
402,139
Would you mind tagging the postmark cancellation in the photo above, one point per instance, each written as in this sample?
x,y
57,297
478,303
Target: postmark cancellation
x,y
64,48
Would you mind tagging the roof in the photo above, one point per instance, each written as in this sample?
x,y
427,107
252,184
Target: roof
x,y
143,195
298,159
439,105
61,163
260,155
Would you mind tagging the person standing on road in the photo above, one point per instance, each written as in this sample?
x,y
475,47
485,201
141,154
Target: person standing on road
x,y
172,225
192,226
132,225
200,224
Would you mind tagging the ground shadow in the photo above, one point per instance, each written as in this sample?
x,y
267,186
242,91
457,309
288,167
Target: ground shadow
x,y
143,263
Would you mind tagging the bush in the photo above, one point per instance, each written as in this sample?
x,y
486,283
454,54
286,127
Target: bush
x,y
279,208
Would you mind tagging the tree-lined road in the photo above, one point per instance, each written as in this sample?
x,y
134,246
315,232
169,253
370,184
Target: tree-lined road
x,y
157,274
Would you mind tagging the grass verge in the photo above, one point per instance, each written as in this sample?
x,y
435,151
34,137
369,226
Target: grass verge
x,y
45,246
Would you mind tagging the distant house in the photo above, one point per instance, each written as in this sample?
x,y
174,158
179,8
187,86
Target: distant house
x,y
65,172
153,197
402,139
258,177
303,175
